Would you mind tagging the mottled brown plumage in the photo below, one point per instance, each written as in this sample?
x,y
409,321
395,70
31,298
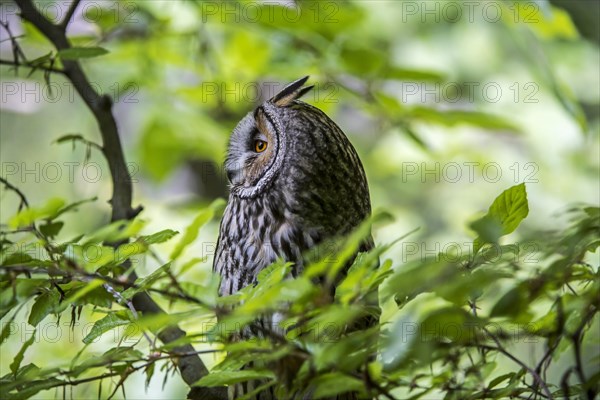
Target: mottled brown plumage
x,y
307,186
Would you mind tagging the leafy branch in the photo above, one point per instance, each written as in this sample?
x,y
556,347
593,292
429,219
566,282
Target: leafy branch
x,y
191,367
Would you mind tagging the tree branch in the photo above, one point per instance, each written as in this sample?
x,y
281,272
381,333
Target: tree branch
x,y
576,338
40,67
65,22
191,367
536,377
99,105
22,198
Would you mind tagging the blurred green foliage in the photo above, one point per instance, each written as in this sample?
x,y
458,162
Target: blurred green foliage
x,y
456,319
471,309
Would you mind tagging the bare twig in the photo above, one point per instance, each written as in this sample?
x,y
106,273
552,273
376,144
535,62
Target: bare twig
x,y
531,371
17,191
17,51
28,65
65,22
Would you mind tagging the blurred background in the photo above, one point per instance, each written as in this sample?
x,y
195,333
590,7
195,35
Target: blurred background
x,y
448,103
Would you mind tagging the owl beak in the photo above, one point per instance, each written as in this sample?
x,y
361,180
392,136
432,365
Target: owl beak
x,y
232,175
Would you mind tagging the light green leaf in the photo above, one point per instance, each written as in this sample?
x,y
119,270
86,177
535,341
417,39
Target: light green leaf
x,y
230,377
456,117
91,256
73,206
147,281
46,303
158,237
32,214
115,231
333,383
412,74
504,215
191,232
499,379
512,303
75,53
128,250
108,323
189,264
88,288
14,366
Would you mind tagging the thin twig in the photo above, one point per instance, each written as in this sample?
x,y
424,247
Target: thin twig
x,y
34,67
18,192
79,274
531,371
65,22
17,51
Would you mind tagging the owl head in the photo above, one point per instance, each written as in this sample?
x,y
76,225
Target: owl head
x,y
260,142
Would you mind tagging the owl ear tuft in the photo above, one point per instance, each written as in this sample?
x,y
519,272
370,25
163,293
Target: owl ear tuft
x,y
291,92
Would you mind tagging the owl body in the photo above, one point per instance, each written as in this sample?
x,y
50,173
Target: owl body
x,y
295,182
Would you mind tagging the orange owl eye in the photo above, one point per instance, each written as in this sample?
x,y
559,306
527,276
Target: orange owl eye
x,y
260,146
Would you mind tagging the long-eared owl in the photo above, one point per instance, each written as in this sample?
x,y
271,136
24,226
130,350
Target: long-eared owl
x,y
295,182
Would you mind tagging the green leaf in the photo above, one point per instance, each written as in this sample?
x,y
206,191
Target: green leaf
x,y
398,344
46,303
166,142
510,208
128,250
96,295
189,264
91,256
512,303
149,371
14,366
450,324
335,21
51,229
191,232
122,353
158,237
41,60
468,285
457,117
364,60
33,387
489,230
147,281
89,287
405,74
115,231
157,322
334,383
29,215
108,323
73,206
75,53
207,293
593,212
159,137
17,258
354,348
7,328
504,215
499,379
223,378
